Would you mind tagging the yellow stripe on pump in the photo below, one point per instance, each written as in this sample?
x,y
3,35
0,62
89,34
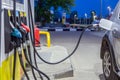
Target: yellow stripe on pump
x,y
6,69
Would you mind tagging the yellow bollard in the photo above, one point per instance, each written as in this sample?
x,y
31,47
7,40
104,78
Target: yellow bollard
x,y
47,36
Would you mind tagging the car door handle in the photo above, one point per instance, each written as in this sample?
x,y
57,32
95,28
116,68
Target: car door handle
x,y
116,34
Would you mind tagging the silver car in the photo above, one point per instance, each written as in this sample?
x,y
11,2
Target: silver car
x,y
110,48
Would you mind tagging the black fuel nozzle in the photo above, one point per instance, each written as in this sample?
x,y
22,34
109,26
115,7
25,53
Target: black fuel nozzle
x,y
27,29
16,35
15,32
23,32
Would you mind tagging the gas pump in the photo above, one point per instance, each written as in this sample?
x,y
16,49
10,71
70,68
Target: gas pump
x,y
11,38
18,40
15,42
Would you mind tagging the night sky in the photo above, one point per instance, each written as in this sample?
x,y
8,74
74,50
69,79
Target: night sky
x,y
85,6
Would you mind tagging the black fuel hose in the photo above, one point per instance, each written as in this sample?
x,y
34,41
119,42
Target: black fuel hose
x,y
35,67
16,46
25,52
65,57
20,57
31,34
80,37
14,63
23,41
28,48
22,65
15,55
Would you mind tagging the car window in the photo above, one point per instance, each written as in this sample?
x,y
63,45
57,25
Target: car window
x,y
119,15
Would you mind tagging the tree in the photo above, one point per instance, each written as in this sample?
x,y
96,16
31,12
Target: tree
x,y
42,12
65,4
42,9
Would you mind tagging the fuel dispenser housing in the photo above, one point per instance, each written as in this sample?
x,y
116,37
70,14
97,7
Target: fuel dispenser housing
x,y
6,47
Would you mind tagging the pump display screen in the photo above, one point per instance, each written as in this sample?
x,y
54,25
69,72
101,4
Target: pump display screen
x,y
20,1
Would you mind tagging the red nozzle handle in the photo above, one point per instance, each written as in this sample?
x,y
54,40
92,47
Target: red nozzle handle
x,y
25,27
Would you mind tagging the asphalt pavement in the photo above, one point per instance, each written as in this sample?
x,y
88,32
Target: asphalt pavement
x,y
86,61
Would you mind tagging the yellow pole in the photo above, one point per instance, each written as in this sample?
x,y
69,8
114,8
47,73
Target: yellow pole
x,y
47,36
